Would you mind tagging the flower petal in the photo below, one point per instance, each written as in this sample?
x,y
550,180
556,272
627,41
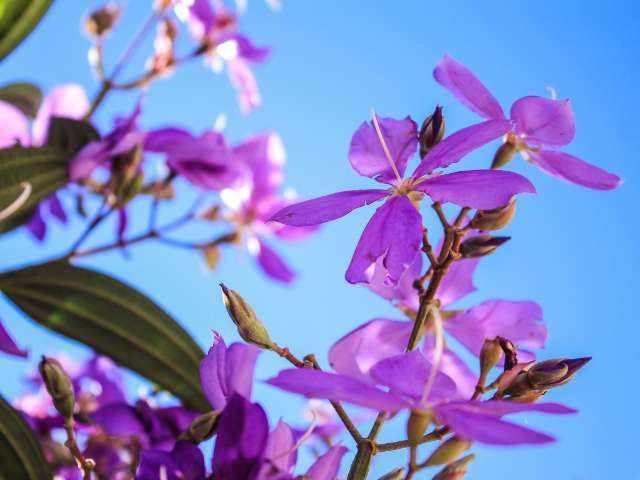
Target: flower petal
x,y
68,101
467,88
366,155
280,448
355,353
453,148
574,170
458,282
152,462
272,264
543,121
15,128
481,189
403,292
7,345
519,321
189,460
245,83
327,208
408,373
331,386
394,233
36,224
326,467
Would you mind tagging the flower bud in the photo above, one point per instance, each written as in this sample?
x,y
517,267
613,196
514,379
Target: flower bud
x,y
448,451
503,155
543,376
432,131
396,474
490,354
101,21
455,470
202,428
481,245
211,256
417,424
494,219
249,327
58,385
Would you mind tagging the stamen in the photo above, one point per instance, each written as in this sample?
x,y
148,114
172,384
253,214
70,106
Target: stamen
x,y
18,202
374,118
552,93
438,350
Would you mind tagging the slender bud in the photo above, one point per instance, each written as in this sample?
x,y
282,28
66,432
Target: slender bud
x,y
489,357
481,245
58,385
529,384
494,219
448,451
249,327
455,470
100,22
503,155
432,131
417,424
202,428
396,474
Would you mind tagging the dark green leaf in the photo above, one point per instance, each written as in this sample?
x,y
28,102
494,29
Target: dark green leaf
x,y
26,97
20,452
17,19
113,319
43,168
69,134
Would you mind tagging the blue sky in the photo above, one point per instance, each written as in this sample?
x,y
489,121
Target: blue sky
x,y
572,250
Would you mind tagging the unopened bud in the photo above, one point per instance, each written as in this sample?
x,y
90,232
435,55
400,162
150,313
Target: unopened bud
x,y
432,131
417,424
503,155
455,470
448,451
250,328
211,256
543,376
396,474
132,188
494,219
101,21
202,428
481,245
58,385
489,356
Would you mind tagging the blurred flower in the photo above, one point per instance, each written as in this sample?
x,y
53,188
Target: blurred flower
x,y
538,123
7,345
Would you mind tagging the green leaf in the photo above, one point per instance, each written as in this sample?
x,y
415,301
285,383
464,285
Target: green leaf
x,y
21,456
43,168
113,319
17,19
70,134
26,97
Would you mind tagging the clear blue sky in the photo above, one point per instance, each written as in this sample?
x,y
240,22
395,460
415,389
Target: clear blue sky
x,y
573,250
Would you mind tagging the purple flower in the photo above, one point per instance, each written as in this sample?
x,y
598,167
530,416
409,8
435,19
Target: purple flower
x,y
216,30
68,101
227,371
205,161
407,377
124,137
520,321
7,345
382,151
251,204
184,462
538,123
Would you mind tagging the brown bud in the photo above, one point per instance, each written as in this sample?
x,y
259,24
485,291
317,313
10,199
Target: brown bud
x,y
396,474
455,470
448,451
417,424
58,385
211,256
202,428
101,21
250,328
489,357
481,245
494,219
503,155
432,131
543,376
